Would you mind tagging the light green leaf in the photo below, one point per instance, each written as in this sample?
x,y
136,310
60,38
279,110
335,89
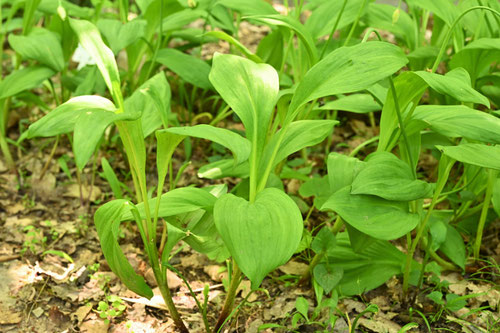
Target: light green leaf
x,y
166,143
152,98
189,68
224,168
455,83
261,235
342,170
348,69
474,153
178,201
111,178
248,7
250,89
120,35
298,135
24,79
41,45
238,145
357,103
327,276
325,15
368,269
107,222
62,119
460,121
374,216
89,128
178,20
388,177
291,23
236,43
91,41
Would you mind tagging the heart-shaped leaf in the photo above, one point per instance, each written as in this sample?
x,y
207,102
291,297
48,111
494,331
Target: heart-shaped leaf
x,y
388,177
327,276
374,216
41,45
261,235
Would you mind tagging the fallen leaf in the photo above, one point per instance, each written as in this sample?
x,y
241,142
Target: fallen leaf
x,y
73,191
294,268
81,313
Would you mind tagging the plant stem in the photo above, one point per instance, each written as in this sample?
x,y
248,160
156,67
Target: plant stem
x,y
167,297
230,297
6,152
492,175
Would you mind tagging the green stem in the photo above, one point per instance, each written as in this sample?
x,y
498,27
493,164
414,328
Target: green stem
x,y
230,297
492,175
450,32
421,229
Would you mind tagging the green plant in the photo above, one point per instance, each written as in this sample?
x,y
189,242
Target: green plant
x,y
110,309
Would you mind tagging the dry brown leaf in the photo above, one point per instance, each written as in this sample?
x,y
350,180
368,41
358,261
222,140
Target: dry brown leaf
x,y
81,313
294,268
73,191
380,325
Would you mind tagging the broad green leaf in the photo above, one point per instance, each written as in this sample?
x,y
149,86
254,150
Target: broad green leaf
x,y
327,276
323,17
41,45
261,235
342,170
348,69
460,121
238,145
374,216
291,23
474,153
455,83
120,35
250,89
298,135
236,43
379,16
152,99
224,168
91,41
24,79
368,269
409,90
388,177
62,119
357,103
179,19
107,222
178,201
323,241
89,128
248,7
189,68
